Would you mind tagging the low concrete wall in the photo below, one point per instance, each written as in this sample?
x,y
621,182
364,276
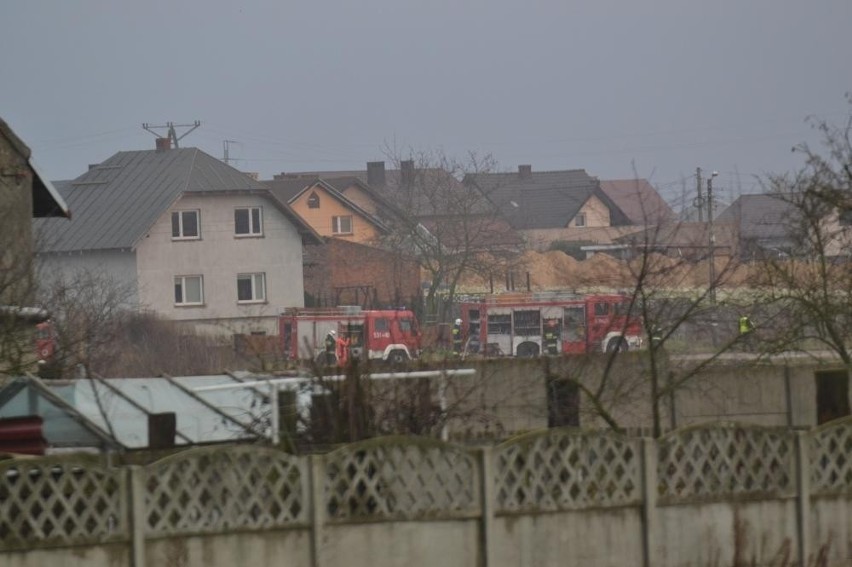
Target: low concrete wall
x,y
710,495
510,396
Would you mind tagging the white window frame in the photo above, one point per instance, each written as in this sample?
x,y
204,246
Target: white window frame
x,y
580,220
183,280
254,278
254,231
336,227
181,235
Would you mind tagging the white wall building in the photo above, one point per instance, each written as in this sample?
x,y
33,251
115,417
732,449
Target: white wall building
x,y
192,238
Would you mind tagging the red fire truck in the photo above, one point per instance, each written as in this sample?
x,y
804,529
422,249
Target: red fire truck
x,y
388,334
549,323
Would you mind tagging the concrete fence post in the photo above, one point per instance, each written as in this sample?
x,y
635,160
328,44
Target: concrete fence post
x,y
136,514
316,484
487,506
803,498
650,520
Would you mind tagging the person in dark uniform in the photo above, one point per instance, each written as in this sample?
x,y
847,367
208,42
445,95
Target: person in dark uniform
x,y
551,337
331,347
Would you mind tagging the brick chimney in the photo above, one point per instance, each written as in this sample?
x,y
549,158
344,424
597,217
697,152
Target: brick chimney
x,y
406,172
375,173
525,171
164,144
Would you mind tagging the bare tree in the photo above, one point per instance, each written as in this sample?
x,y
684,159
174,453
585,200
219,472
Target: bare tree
x,y
89,309
812,281
448,224
679,300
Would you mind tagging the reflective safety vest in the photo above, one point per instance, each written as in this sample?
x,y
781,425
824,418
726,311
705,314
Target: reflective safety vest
x,y
745,325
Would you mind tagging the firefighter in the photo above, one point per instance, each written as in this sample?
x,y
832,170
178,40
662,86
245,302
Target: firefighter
x,y
551,337
457,336
746,328
330,346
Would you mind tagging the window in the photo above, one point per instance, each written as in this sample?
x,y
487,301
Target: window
x,y
185,225
499,324
313,201
248,221
251,287
601,309
381,325
189,290
580,219
341,225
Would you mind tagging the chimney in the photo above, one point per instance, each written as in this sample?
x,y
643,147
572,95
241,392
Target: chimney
x,y
375,173
162,428
525,171
164,144
406,171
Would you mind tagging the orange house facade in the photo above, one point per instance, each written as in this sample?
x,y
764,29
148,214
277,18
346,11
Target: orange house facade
x,y
332,214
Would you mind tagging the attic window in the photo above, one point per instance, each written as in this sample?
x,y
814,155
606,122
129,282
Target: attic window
x,y
580,219
313,201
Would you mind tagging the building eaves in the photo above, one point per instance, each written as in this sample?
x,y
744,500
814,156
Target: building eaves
x,y
47,201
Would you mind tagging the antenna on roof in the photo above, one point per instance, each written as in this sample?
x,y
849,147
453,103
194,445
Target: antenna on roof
x,y
171,134
226,145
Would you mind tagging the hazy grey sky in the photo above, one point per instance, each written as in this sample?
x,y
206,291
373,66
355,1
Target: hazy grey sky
x,y
667,84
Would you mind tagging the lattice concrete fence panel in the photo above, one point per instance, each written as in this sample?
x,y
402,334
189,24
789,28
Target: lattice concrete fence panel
x,y
721,460
831,458
60,501
216,489
401,478
564,469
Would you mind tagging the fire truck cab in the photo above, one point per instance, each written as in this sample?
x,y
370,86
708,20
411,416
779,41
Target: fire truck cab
x,y
388,334
535,324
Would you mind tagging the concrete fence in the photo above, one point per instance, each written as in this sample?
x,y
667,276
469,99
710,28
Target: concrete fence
x,y
713,494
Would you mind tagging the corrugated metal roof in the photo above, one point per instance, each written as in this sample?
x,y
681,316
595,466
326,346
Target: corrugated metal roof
x,y
117,201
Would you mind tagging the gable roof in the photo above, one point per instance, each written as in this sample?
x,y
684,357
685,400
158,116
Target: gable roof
x,y
638,200
544,199
397,194
47,201
288,191
117,201
760,217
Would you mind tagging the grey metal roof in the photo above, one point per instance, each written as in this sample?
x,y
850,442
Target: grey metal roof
x,y
544,199
760,217
117,201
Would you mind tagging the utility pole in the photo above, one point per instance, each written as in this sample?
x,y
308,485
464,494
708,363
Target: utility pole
x,y
712,238
171,133
699,201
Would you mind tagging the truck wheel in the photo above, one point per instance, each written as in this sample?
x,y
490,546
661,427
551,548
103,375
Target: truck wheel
x,y
397,357
618,344
528,349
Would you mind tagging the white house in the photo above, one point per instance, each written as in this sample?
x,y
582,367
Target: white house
x,y
192,238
